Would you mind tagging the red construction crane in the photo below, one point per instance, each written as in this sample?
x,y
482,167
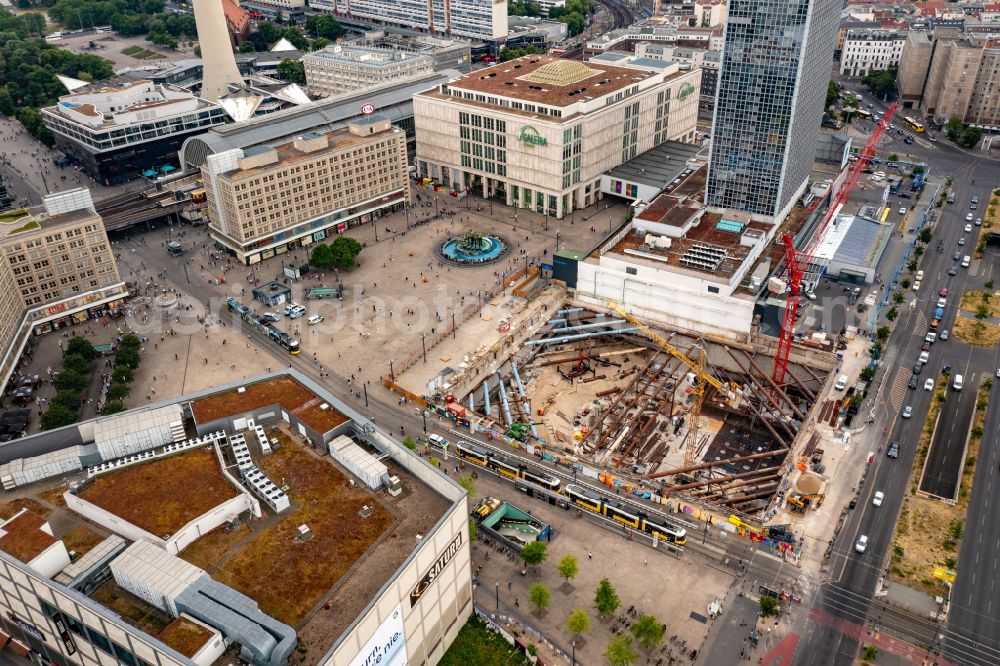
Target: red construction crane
x,y
797,262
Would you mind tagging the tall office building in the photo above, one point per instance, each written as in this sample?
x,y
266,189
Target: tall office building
x,y
771,90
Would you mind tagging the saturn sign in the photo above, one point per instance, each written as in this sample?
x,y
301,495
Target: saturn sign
x,y
368,109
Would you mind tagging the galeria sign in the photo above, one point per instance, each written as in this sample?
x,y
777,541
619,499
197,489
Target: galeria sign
x,y
529,136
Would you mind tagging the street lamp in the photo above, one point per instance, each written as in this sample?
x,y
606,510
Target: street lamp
x,y
392,376
454,332
424,414
423,343
498,595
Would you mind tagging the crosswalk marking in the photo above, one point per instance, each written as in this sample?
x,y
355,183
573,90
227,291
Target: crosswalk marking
x,y
920,324
898,389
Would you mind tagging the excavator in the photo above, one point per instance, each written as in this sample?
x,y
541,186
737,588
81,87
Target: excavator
x,y
520,431
799,502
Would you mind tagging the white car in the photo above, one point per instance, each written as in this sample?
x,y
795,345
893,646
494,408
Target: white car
x,y
942,302
924,357
902,210
929,384
916,286
930,337
862,543
877,498
968,217
968,228
296,313
919,276
979,221
315,319
907,412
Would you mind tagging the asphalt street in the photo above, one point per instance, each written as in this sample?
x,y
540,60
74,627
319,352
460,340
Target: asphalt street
x,y
854,578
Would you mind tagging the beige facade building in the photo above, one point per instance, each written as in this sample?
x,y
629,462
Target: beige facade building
x,y
868,50
538,132
56,269
340,68
267,200
947,76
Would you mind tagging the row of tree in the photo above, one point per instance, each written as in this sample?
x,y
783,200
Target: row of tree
x,y
573,13
126,362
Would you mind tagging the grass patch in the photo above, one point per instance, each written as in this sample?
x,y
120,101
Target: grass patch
x,y
209,549
12,216
140,53
976,333
27,226
10,507
308,569
185,636
81,539
133,610
163,495
477,644
972,300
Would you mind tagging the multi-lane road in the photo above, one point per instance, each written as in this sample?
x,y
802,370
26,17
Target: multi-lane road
x,y
970,635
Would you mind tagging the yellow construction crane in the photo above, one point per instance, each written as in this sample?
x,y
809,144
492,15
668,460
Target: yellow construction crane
x,y
697,388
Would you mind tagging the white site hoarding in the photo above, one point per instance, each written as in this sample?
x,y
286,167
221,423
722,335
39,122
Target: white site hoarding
x,y
387,646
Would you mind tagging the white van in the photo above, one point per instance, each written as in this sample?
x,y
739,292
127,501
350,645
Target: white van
x,y
841,383
957,383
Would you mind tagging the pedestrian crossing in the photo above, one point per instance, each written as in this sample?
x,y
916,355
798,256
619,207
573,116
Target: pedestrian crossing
x,y
920,324
898,389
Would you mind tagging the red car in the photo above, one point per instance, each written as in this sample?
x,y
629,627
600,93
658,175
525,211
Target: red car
x,y
943,293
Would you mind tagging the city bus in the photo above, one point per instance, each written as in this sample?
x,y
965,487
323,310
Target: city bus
x,y
863,113
913,124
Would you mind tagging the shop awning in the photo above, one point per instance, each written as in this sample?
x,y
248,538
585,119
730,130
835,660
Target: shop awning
x,y
167,168
149,174
18,646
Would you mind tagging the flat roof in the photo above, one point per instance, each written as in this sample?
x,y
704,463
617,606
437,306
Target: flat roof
x,y
658,166
23,537
393,100
163,495
549,80
282,390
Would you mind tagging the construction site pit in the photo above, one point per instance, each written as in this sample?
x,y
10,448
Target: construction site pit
x,y
598,388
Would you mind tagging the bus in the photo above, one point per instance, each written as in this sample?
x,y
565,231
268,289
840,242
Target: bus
x,y
199,195
863,113
913,124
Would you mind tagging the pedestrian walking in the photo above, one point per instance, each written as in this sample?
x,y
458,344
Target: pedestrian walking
x,y
590,555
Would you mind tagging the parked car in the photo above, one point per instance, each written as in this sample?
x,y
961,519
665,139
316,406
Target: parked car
x,y
916,286
315,319
270,316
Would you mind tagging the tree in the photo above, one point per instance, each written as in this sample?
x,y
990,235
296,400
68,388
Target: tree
x,y
248,47
575,23
524,8
912,265
113,407
882,333
988,284
892,314
871,653
128,358
117,392
620,652
982,312
539,596
67,398
568,567
925,235
832,93
897,297
893,157
535,553
319,44
324,26
606,598
292,71
81,346
578,623
122,375
345,252
768,606
130,341
970,137
76,363
57,416
321,256
512,54
71,380
882,83
648,631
